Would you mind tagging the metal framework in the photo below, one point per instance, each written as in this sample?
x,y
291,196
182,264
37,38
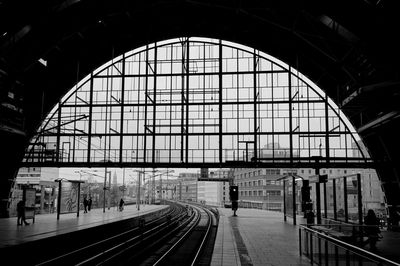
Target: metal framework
x,y
195,102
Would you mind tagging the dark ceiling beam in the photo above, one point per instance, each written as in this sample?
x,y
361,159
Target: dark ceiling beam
x,y
379,121
367,89
339,29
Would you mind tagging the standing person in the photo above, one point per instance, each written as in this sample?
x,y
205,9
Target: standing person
x,y
90,203
21,213
372,229
121,205
85,205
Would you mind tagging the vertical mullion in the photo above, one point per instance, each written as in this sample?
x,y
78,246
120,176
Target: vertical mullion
x,y
272,113
58,133
121,142
171,104
308,121
187,102
255,104
106,117
237,99
220,100
326,129
182,100
154,104
290,116
90,120
204,101
75,136
145,104
138,110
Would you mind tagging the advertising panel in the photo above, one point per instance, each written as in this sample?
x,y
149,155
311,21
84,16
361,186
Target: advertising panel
x,y
69,197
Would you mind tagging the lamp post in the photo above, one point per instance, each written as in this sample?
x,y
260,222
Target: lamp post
x,y
138,196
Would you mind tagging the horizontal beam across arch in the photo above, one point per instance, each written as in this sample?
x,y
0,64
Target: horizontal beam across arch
x,y
228,164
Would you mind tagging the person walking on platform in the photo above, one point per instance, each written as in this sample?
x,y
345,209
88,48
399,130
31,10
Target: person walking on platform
x,y
121,205
21,213
371,229
85,205
90,203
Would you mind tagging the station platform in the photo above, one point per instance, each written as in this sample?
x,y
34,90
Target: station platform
x,y
260,237
47,225
256,237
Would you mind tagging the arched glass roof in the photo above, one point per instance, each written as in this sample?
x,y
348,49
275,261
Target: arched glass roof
x,y
195,101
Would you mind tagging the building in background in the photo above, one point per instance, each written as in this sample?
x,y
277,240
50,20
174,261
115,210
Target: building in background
x,y
261,188
214,193
168,189
187,190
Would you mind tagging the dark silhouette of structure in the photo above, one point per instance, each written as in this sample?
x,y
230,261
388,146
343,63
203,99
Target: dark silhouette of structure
x,y
348,48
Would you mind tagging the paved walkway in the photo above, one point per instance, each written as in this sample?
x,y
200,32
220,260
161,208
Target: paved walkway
x,y
47,225
256,237
260,237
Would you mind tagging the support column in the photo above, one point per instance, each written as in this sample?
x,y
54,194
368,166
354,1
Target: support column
x,y
294,199
360,213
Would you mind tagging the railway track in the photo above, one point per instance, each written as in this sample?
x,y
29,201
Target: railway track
x,y
184,232
196,245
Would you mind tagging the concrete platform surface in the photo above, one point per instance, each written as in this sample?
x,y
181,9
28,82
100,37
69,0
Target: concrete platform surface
x,y
47,225
256,237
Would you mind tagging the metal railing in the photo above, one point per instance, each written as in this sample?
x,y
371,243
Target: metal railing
x,y
323,249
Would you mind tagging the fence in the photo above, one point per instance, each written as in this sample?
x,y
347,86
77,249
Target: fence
x,y
323,249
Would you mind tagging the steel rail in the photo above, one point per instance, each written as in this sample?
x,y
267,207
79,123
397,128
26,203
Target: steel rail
x,y
205,236
98,244
194,224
